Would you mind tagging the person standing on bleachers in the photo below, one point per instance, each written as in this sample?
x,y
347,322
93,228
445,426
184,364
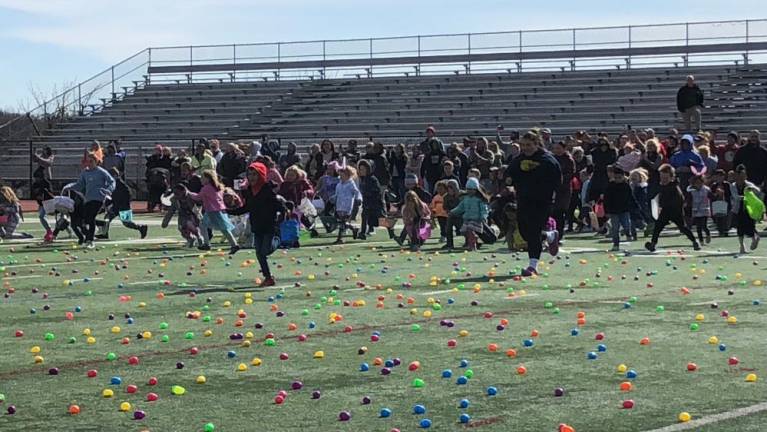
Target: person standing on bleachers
x,y
431,136
689,102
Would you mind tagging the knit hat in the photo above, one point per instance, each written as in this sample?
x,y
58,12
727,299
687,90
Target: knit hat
x,y
472,184
411,179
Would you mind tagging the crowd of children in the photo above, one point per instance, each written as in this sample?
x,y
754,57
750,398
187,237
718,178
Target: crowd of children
x,y
635,185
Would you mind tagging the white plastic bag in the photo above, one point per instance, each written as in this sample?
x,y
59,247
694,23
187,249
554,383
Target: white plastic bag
x,y
306,208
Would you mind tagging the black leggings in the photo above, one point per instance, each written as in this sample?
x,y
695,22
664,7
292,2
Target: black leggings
x,y
369,221
90,211
110,217
262,243
677,218
701,224
531,219
560,215
452,224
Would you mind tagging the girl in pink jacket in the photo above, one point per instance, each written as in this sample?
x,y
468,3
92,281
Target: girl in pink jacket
x,y
212,198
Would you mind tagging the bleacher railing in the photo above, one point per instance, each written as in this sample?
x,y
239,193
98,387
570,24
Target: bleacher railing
x,y
125,77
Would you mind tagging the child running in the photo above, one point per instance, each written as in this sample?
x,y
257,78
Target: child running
x,y
95,183
473,209
372,199
617,204
212,198
120,207
263,208
347,196
743,222
671,203
188,215
700,195
415,214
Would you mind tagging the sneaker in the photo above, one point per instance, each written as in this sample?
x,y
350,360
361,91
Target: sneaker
x,y
447,247
102,236
143,230
696,246
267,282
339,241
708,238
313,233
650,246
615,248
49,237
203,247
743,250
233,250
361,236
554,245
755,242
530,271
355,233
398,240
90,245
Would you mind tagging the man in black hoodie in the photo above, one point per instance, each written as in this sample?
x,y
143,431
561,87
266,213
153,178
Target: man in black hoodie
x,y
536,174
754,157
689,101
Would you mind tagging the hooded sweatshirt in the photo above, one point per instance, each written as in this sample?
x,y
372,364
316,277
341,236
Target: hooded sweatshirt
x,y
260,202
535,177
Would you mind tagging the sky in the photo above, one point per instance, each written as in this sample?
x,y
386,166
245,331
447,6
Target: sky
x,y
48,45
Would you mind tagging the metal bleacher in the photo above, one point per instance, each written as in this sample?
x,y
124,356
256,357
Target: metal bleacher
x,y
392,99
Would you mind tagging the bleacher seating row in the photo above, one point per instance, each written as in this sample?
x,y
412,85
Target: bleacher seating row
x,y
399,108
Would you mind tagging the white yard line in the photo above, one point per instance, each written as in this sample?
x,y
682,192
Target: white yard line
x,y
727,415
22,277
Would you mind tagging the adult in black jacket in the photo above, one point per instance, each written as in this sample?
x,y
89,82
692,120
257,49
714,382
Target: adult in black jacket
x,y
397,166
380,166
431,139
291,158
263,208
535,174
372,198
460,162
602,156
120,202
431,168
689,101
754,157
232,164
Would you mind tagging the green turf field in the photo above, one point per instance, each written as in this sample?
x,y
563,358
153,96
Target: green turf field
x,y
417,304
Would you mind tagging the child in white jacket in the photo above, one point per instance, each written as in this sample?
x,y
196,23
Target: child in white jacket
x,y
347,198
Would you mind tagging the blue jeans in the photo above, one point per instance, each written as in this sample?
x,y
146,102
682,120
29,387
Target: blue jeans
x,y
41,214
618,220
